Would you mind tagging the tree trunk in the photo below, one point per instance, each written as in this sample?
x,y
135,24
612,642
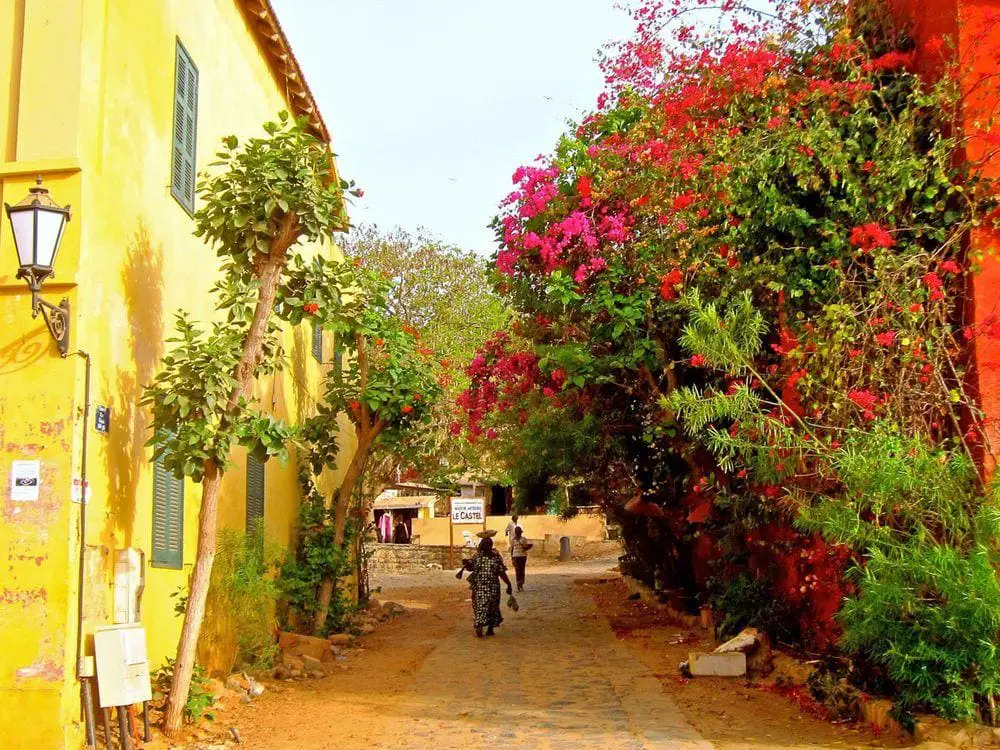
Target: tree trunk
x,y
341,505
268,270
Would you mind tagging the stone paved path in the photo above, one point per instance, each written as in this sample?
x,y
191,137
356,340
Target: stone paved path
x,y
555,676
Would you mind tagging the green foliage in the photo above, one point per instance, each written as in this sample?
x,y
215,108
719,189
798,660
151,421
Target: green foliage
x,y
245,591
316,558
197,414
200,698
747,601
261,181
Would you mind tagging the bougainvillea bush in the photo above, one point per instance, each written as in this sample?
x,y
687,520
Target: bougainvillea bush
x,y
749,264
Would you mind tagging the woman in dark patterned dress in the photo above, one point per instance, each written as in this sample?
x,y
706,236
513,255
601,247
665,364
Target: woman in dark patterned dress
x,y
488,569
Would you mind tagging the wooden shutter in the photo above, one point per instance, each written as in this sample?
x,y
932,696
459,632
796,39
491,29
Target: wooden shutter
x,y
183,168
255,492
317,343
338,356
168,518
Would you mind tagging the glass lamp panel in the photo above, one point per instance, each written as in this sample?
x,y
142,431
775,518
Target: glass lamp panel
x,y
50,228
23,225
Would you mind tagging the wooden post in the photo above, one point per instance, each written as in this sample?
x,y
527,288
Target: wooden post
x,y
451,537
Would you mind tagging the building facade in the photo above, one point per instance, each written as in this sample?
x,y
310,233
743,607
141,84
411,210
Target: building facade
x,y
117,105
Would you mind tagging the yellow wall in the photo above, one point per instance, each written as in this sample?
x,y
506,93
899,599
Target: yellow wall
x,y
434,531
86,99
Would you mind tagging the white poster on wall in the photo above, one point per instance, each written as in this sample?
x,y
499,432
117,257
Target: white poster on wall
x,y
467,510
25,479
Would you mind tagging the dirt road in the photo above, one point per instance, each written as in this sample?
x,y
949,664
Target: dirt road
x,y
555,676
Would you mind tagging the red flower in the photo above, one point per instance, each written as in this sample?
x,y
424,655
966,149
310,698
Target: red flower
x,y
870,236
310,307
865,399
868,166
379,342
668,283
407,409
934,284
355,405
417,397
583,187
950,266
886,339
891,61
455,428
697,360
916,307
491,434
683,201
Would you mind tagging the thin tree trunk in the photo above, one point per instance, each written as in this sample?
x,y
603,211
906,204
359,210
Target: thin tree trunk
x,y
268,270
341,505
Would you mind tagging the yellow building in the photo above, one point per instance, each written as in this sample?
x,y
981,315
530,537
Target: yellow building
x,y
115,103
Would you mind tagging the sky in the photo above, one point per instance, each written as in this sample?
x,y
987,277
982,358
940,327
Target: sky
x,y
432,104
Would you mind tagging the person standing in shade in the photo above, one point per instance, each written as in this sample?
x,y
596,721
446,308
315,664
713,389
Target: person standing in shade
x,y
401,534
509,533
519,547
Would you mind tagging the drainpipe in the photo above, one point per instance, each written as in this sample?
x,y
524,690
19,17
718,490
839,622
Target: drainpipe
x,y
83,672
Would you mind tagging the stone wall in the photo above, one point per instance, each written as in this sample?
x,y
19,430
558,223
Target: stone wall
x,y
395,559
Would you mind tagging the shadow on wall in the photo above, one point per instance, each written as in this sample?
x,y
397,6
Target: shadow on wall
x,y
25,351
303,404
142,282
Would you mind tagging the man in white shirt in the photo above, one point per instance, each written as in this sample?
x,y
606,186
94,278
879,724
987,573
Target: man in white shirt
x,y
509,533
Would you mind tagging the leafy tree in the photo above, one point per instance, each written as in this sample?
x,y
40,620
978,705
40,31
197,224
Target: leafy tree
x,y
269,194
387,390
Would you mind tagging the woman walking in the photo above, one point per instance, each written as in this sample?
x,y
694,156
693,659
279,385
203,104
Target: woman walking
x,y
488,569
519,547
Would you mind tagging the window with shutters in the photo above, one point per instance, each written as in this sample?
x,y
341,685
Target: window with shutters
x,y
338,356
317,343
168,518
182,167
255,492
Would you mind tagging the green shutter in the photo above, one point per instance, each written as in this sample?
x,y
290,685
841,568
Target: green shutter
x,y
317,343
183,168
255,492
338,356
168,518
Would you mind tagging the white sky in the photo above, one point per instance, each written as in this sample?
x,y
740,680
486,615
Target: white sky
x,y
433,104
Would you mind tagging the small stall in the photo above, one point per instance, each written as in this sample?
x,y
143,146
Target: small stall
x,y
393,516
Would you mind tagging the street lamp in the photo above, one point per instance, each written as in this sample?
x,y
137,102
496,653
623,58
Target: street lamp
x,y
38,224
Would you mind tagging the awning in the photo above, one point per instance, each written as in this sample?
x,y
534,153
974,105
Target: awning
x,y
405,503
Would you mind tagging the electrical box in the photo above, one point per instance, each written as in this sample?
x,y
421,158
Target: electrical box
x,y
130,576
122,665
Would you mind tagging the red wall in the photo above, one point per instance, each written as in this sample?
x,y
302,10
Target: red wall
x,y
971,29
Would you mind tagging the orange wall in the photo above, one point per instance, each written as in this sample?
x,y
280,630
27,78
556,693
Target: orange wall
x,y
971,29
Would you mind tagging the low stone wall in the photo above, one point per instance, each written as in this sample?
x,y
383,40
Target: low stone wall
x,y
395,559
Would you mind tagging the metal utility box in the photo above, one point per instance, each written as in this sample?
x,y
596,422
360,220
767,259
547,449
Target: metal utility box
x,y
122,665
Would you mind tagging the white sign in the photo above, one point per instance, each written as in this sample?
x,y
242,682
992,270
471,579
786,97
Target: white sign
x,y
467,510
25,478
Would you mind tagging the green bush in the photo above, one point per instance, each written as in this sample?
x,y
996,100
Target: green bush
x,y
200,698
244,589
745,601
927,605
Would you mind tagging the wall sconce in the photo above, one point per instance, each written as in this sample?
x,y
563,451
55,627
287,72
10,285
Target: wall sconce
x,y
38,224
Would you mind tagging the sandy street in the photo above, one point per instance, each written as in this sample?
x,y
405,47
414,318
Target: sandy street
x,y
557,675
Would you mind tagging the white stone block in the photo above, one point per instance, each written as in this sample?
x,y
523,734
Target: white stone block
x,y
732,664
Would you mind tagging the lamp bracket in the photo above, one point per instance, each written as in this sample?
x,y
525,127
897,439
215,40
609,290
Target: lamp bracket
x,y
56,319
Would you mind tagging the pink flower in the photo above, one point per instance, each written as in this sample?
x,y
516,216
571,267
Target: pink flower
x,y
697,360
